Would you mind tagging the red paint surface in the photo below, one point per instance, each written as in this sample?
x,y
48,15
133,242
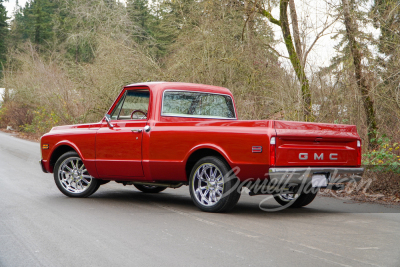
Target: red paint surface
x,y
162,153
119,150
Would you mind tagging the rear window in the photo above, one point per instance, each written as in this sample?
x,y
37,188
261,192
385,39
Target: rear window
x,y
197,105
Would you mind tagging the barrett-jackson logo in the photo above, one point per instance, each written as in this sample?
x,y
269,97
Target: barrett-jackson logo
x,y
332,156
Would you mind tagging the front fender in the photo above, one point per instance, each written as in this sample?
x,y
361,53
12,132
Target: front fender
x,y
55,151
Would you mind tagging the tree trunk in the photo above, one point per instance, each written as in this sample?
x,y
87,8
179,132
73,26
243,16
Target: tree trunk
x,y
296,32
249,25
298,67
351,30
295,60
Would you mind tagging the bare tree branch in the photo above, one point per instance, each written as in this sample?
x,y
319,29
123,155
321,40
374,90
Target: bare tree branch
x,y
319,35
276,52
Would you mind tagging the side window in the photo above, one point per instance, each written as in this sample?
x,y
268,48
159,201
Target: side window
x,y
197,104
132,106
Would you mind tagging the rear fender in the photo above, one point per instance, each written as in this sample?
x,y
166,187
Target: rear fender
x,y
212,147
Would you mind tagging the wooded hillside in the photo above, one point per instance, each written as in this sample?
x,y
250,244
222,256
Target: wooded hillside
x,y
64,61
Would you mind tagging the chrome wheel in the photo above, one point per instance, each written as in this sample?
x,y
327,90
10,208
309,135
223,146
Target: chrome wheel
x,y
295,200
208,184
213,185
73,175
288,197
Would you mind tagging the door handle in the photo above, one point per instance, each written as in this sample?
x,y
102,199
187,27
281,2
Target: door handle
x,y
137,130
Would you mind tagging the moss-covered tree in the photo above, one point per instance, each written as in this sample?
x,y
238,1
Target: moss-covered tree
x,y
351,32
294,51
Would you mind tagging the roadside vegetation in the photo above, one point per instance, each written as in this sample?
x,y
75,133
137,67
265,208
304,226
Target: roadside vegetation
x,y
64,61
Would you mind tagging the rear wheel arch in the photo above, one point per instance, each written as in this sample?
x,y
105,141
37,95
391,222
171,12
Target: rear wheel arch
x,y
199,154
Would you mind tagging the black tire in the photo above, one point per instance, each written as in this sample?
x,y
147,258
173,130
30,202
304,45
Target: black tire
x,y
302,200
101,182
222,193
150,188
68,182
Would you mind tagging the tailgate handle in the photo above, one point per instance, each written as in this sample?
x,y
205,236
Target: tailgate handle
x,y
318,139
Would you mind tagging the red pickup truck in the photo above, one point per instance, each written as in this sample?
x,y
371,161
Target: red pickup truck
x,y
161,134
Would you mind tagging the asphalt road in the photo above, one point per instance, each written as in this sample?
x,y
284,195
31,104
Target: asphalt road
x,y
120,226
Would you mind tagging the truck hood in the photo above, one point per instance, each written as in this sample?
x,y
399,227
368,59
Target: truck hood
x,y
75,126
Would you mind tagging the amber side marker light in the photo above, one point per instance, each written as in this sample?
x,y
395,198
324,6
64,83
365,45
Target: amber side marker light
x,y
45,146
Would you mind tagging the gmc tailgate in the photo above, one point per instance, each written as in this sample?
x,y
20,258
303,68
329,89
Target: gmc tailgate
x,y
316,144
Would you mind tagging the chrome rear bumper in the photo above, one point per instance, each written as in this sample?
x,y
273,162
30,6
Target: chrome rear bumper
x,y
303,175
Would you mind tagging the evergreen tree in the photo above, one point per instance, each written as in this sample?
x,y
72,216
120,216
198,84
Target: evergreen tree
x,y
387,19
3,34
34,22
139,14
170,18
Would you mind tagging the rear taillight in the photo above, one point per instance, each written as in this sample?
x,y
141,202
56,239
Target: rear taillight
x,y
272,147
359,152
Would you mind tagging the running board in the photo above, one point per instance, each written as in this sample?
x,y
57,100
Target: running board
x,y
154,184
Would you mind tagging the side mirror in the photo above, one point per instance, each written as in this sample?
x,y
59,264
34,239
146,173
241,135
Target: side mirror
x,y
107,117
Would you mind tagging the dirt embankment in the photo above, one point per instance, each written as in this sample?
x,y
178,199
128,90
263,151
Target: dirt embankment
x,y
375,186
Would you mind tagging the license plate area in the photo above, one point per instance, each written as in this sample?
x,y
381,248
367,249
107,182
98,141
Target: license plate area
x,y
320,180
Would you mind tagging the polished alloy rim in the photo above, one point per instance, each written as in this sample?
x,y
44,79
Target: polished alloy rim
x,y
73,175
288,197
208,184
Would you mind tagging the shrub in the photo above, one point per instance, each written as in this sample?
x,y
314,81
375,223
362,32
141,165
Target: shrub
x,y
42,121
15,114
385,158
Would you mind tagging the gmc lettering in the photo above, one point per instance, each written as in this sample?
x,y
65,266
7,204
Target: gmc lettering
x,y
332,156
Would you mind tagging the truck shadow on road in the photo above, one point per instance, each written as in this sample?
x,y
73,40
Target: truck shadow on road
x,y
180,201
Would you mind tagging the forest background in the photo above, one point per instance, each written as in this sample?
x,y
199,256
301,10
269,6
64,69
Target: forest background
x,y
64,62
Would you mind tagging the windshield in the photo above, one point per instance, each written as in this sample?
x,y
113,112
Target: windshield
x,y
133,105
